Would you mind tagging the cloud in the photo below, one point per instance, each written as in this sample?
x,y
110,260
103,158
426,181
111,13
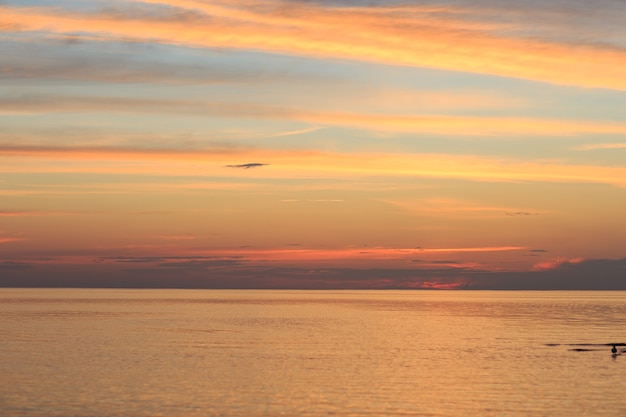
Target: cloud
x,y
298,132
313,201
6,213
593,274
29,213
521,213
177,237
578,274
12,265
555,264
247,166
299,164
291,254
452,38
495,127
162,260
600,146
200,265
450,207
9,239
93,60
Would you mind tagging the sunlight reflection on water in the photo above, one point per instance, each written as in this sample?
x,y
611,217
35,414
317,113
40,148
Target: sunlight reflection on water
x,y
309,353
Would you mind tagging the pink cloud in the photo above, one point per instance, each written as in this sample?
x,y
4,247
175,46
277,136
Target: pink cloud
x,y
556,263
6,239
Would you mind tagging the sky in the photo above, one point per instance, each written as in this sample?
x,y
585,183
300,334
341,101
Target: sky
x,y
315,144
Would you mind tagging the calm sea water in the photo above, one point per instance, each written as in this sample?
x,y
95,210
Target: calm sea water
x,y
308,353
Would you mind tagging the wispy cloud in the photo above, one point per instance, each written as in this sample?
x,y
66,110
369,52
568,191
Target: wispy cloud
x,y
363,254
178,237
600,146
456,207
298,132
28,104
9,266
29,213
440,37
50,59
290,254
556,263
9,239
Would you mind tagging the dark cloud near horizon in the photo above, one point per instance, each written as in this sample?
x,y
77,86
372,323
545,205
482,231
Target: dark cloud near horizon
x,y
200,265
536,252
153,272
592,274
162,259
436,262
11,265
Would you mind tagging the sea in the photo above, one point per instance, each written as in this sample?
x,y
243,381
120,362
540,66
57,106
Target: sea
x,y
249,353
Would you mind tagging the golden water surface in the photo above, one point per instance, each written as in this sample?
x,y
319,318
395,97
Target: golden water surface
x,y
175,353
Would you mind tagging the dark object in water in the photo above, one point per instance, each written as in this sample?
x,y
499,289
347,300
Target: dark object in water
x,y
585,344
614,350
584,350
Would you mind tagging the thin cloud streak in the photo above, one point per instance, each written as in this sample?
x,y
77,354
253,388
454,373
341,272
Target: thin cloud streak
x,y
376,35
600,146
6,239
419,123
7,213
446,207
369,253
162,256
298,132
49,59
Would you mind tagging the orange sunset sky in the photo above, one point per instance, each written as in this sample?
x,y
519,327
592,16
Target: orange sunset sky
x,y
313,144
